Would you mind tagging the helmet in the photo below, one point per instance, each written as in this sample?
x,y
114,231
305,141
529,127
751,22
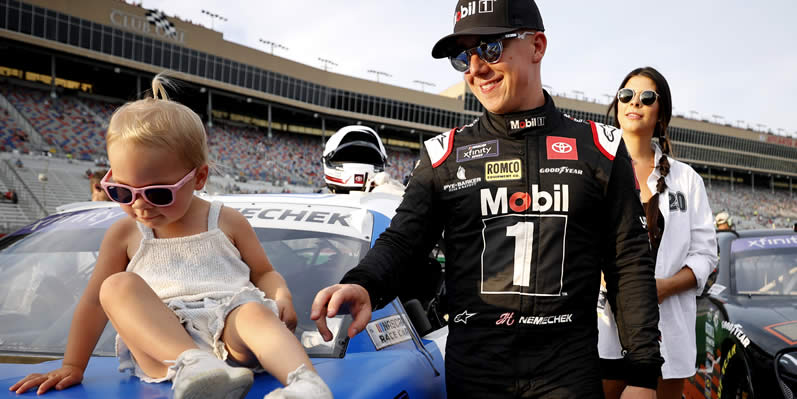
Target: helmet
x,y
351,155
723,218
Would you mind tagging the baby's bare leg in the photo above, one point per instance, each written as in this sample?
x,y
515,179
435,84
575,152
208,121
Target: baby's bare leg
x,y
253,334
151,330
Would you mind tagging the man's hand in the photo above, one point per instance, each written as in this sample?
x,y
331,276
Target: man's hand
x,y
632,392
328,301
287,313
62,378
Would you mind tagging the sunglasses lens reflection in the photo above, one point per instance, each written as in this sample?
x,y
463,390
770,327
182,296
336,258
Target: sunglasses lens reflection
x,y
460,62
159,196
120,194
625,95
490,52
647,97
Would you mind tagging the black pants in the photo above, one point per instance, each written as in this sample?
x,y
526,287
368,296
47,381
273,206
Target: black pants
x,y
551,368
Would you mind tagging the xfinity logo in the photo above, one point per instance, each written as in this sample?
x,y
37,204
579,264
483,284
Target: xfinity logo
x,y
524,123
480,6
538,201
769,242
476,151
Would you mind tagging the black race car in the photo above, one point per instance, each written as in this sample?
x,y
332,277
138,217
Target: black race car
x,y
747,319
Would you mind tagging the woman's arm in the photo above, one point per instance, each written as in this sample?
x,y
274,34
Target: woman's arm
x,y
681,281
701,257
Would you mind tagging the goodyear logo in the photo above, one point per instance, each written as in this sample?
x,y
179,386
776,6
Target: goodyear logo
x,y
503,170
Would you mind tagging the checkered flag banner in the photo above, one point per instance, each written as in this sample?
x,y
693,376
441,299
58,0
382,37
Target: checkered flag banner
x,y
158,18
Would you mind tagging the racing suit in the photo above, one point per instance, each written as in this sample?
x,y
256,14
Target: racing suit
x,y
532,206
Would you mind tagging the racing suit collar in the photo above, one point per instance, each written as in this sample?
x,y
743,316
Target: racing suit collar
x,y
539,120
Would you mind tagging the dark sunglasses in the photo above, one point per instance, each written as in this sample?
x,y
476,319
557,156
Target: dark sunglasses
x,y
647,97
489,52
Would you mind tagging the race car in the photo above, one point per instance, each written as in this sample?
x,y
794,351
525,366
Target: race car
x,y
747,320
312,240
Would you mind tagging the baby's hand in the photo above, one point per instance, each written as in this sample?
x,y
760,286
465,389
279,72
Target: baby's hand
x,y
287,313
62,378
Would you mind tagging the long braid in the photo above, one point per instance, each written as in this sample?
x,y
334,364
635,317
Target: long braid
x,y
652,210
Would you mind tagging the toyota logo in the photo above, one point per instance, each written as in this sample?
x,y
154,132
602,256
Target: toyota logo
x,y
561,148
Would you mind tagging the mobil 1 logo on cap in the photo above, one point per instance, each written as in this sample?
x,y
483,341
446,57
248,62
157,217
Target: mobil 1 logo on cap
x,y
474,7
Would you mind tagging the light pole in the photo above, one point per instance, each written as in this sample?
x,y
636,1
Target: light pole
x,y
326,63
609,98
272,44
577,93
740,122
423,84
378,73
761,126
213,16
717,118
694,114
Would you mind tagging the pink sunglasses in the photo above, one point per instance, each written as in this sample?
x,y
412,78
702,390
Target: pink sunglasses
x,y
157,195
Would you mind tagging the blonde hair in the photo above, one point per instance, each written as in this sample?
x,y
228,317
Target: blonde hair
x,y
161,123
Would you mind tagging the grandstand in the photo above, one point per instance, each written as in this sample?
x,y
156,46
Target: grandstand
x,y
67,65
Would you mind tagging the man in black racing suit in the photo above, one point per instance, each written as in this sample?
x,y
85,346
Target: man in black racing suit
x,y
531,204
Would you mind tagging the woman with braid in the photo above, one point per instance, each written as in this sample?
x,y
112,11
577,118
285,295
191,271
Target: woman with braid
x,y
680,227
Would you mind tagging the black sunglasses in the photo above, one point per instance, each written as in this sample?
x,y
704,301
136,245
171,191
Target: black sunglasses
x,y
647,97
489,52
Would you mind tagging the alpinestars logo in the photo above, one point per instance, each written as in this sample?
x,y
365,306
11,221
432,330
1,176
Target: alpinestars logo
x,y
473,7
538,201
463,317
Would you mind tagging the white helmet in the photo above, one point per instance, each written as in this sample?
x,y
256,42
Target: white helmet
x,y
351,156
723,218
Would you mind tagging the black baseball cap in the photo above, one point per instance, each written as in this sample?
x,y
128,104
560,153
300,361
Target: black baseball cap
x,y
487,18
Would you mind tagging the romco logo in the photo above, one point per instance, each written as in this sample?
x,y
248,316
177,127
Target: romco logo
x,y
524,123
503,170
562,148
538,201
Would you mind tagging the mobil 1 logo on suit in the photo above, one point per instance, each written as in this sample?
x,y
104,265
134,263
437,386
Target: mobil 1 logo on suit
x,y
514,261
